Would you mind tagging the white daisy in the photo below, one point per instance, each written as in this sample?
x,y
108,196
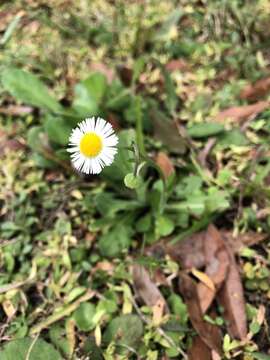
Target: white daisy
x,y
92,145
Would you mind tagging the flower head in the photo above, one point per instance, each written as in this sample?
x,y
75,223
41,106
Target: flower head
x,y
92,145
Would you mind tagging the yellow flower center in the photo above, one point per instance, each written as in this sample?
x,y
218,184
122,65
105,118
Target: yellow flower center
x,y
90,144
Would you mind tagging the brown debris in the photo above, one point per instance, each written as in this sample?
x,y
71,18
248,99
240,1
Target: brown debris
x,y
253,92
199,350
217,263
231,297
147,290
240,113
165,164
177,64
209,333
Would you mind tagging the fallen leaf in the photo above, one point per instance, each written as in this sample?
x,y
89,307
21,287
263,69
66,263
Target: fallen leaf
x,y
257,90
204,278
239,113
217,263
199,350
249,238
177,64
189,252
165,164
146,289
231,297
158,311
209,333
166,131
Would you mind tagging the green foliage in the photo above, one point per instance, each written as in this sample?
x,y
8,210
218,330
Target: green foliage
x,y
19,349
126,331
27,88
84,316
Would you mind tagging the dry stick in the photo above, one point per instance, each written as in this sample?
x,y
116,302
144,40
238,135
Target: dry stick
x,y
61,313
159,329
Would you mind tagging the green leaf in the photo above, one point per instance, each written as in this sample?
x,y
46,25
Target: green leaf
x,y
89,94
178,307
18,349
115,240
58,338
92,350
164,226
37,139
144,223
108,205
58,130
260,356
27,88
132,182
205,130
84,316
125,330
122,164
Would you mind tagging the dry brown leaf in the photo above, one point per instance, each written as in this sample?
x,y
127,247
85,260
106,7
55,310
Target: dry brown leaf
x,y
209,333
165,164
217,262
257,90
231,297
249,238
158,311
146,289
239,113
204,278
189,252
199,350
178,64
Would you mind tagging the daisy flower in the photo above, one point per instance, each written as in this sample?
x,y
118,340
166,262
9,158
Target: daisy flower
x,y
92,145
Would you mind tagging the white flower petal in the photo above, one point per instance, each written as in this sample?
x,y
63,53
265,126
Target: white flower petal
x,y
93,165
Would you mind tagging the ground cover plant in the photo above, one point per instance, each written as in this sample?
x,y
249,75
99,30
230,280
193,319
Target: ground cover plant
x,y
165,253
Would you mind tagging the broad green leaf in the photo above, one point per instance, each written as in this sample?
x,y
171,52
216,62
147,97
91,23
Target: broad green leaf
x,y
232,137
27,88
260,356
42,162
18,349
164,226
84,316
92,350
144,223
117,239
58,130
125,330
37,139
89,94
122,164
108,205
205,130
58,338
